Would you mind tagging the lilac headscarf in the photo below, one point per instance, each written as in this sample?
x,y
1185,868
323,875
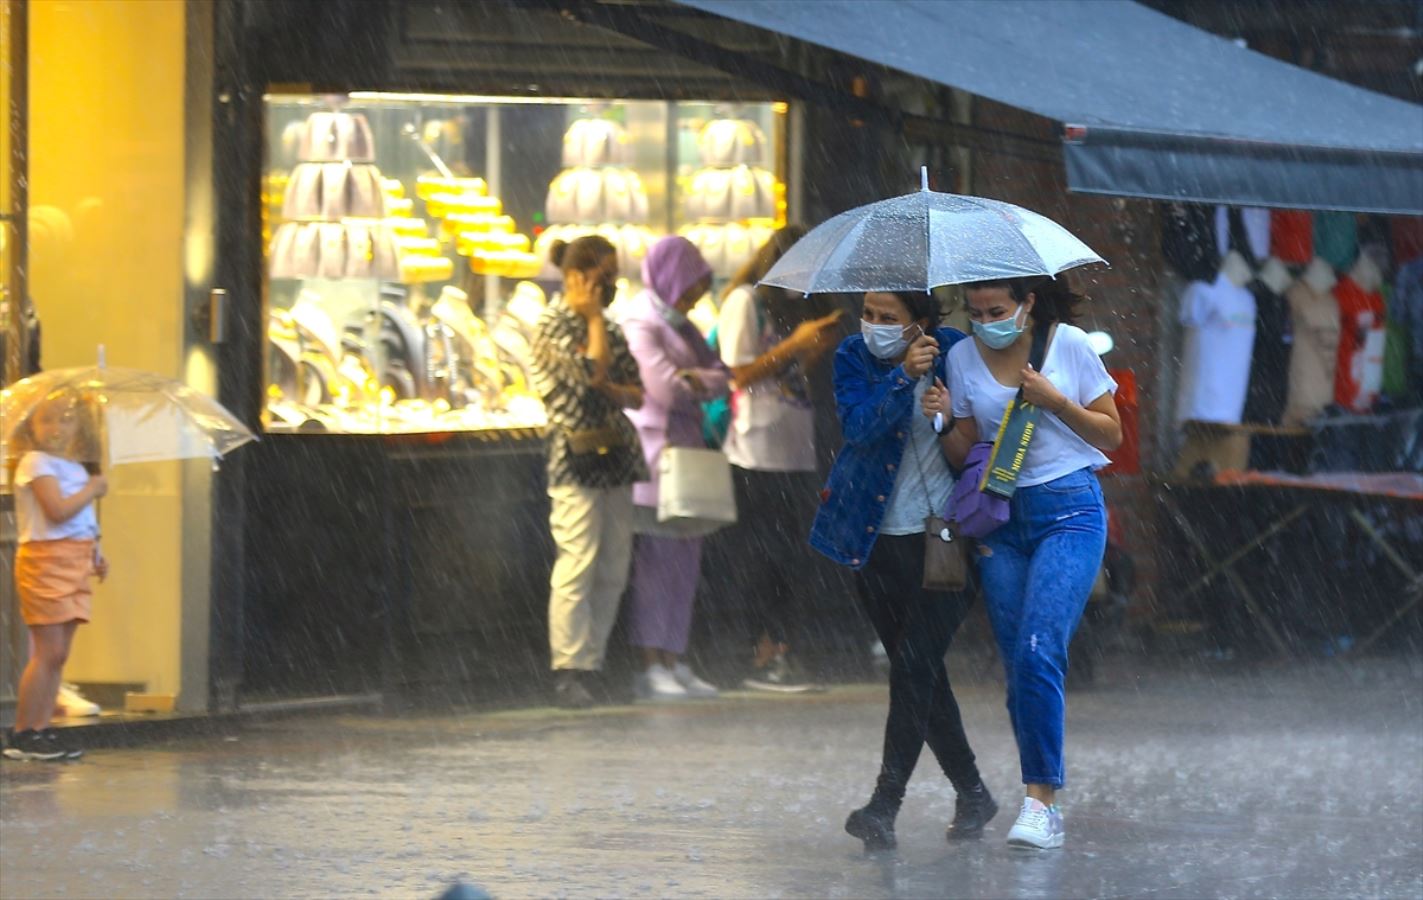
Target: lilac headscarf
x,y
672,265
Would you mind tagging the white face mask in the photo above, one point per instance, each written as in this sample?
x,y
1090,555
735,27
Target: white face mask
x,y
884,341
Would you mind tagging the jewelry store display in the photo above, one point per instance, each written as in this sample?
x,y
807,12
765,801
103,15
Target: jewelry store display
x,y
407,239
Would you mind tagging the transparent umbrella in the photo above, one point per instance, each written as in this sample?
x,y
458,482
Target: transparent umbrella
x,y
132,416
922,240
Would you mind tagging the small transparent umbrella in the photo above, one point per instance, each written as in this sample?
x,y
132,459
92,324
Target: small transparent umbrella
x,y
922,240
137,416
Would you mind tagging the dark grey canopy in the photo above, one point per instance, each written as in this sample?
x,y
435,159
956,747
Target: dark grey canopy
x,y
1154,107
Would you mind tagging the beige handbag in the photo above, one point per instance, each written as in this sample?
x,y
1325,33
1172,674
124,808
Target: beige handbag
x,y
695,495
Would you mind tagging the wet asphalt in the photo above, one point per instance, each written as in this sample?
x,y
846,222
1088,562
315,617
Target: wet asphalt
x,y
1299,780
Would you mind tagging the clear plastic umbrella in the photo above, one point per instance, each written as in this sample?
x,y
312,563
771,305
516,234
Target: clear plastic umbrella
x,y
132,416
922,240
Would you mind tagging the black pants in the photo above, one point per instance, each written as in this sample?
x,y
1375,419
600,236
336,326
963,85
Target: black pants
x,y
763,559
916,627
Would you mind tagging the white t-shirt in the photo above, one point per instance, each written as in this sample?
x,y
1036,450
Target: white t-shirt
x,y
921,485
33,525
1215,361
772,424
1073,368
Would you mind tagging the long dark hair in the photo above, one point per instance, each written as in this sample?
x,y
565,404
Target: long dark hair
x,y
766,256
1055,301
581,254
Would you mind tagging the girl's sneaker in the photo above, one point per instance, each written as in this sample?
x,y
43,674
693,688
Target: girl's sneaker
x,y
62,743
1039,827
32,745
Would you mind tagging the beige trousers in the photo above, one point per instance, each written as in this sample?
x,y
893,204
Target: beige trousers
x,y
592,529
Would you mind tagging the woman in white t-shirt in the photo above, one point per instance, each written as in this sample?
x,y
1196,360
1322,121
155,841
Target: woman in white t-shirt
x,y
765,337
1037,569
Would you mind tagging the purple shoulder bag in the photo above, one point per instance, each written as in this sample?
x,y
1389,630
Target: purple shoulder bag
x,y
978,513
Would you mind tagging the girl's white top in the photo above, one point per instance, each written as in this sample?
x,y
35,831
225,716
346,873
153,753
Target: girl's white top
x,y
30,517
1071,365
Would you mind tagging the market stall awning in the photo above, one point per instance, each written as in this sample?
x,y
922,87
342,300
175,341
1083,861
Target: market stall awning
x,y
1151,107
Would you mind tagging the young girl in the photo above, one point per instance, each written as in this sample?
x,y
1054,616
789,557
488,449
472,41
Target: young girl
x,y
58,551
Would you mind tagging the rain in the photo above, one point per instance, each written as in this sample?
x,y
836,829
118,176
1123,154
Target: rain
x,y
711,448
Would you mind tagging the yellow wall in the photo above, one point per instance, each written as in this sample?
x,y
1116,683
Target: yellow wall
x,y
106,267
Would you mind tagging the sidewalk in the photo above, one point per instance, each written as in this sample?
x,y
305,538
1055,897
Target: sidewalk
x,y
1284,781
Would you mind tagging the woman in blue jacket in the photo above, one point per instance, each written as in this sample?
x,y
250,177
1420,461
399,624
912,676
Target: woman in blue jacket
x,y
891,474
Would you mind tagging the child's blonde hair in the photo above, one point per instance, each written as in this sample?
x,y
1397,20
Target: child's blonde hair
x,y
85,446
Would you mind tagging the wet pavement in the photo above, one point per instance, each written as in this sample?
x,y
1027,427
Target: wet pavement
x,y
1297,781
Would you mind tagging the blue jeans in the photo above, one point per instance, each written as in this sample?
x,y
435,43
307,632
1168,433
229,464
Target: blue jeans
x,y
1037,572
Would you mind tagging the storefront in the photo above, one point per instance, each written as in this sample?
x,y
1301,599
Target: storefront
x,y
104,220
390,529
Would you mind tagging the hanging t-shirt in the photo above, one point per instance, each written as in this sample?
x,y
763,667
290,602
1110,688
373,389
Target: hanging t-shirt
x,y
1071,365
1359,374
1215,363
1406,309
1255,223
1336,238
772,422
1188,240
1269,357
1314,354
1292,235
29,515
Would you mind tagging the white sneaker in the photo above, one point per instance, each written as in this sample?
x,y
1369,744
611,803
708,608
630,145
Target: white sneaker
x,y
74,705
658,683
1038,827
694,686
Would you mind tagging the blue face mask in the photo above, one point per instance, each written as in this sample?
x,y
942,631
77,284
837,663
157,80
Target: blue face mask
x,y
1000,334
884,341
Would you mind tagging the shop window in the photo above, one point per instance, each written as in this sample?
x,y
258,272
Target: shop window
x,y
407,238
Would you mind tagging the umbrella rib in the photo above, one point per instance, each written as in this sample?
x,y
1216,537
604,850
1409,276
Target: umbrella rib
x,y
1016,232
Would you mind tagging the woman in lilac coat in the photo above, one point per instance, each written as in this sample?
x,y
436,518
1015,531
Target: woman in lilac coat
x,y
678,372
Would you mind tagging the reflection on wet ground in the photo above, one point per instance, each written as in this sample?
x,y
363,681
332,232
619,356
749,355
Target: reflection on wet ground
x,y
1299,781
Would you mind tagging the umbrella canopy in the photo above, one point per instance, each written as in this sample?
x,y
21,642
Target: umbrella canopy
x,y
922,240
132,416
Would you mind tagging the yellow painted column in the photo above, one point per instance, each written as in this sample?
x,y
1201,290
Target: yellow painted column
x,y
106,177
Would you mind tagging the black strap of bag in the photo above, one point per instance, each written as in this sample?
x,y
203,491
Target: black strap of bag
x,y
1037,351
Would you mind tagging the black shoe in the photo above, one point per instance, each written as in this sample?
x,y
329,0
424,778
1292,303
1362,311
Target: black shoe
x,y
780,676
63,743
873,825
32,745
973,810
569,692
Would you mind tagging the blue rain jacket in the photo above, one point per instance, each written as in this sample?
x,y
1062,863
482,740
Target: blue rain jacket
x,y
875,402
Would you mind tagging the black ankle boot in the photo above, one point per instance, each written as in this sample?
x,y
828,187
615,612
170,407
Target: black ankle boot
x,y
873,824
973,810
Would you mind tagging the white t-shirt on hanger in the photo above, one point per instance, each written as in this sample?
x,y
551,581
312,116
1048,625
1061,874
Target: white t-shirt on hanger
x,y
1215,362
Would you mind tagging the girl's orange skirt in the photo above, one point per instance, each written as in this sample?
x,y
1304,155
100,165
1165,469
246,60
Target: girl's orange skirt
x,y
52,579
